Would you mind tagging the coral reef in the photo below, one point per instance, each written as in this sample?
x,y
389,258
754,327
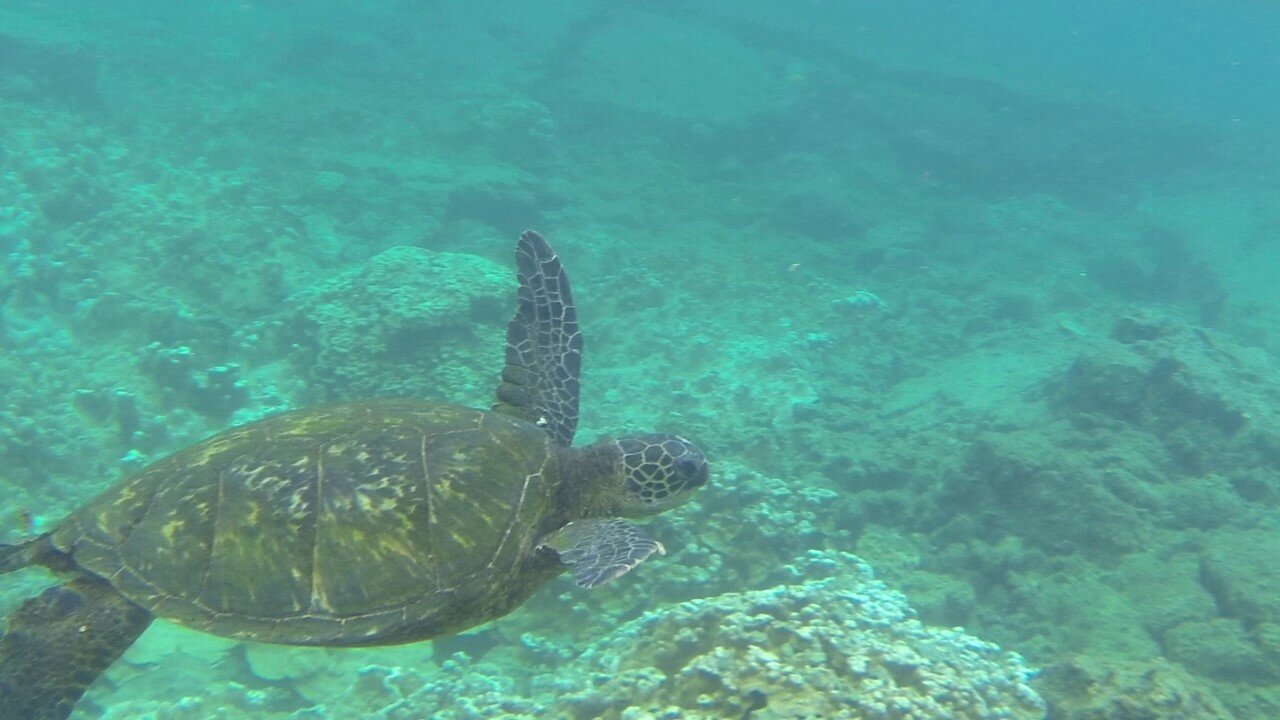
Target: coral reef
x,y
841,647
408,322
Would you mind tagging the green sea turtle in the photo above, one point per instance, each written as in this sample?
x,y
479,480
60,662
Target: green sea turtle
x,y
366,523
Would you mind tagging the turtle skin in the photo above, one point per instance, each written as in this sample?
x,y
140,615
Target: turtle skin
x,y
357,524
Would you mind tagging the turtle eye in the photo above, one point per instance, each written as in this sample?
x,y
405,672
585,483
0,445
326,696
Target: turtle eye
x,y
692,473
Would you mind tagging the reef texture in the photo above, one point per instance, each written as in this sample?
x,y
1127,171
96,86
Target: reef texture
x,y
841,647
1099,689
405,323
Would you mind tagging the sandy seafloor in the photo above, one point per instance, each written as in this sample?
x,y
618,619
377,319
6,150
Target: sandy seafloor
x,y
984,295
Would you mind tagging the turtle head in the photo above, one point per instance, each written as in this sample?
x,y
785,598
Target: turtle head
x,y
659,472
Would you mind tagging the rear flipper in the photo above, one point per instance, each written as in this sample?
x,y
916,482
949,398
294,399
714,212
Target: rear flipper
x,y
16,557
59,642
36,551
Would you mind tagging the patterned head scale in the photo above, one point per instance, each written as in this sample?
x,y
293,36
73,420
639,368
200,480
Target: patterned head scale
x,y
662,471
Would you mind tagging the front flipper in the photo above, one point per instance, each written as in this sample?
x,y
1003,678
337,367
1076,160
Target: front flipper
x,y
59,642
601,549
544,347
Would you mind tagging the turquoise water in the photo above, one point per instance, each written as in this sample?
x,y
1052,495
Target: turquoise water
x,y
979,297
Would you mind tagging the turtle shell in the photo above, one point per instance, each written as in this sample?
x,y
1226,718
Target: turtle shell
x,y
359,524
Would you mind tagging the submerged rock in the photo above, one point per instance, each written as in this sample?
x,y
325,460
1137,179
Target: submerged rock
x,y
1092,688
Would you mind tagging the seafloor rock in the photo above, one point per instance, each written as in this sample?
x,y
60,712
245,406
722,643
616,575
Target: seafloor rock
x,y
1089,688
1165,588
404,323
1205,397
1219,649
31,70
217,391
1239,570
1028,478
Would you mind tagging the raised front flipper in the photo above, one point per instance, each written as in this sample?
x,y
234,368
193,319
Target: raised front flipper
x,y
544,347
601,549
58,643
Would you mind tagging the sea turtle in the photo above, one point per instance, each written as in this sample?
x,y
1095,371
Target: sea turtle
x,y
364,523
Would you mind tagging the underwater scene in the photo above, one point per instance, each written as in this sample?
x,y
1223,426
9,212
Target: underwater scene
x,y
959,321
